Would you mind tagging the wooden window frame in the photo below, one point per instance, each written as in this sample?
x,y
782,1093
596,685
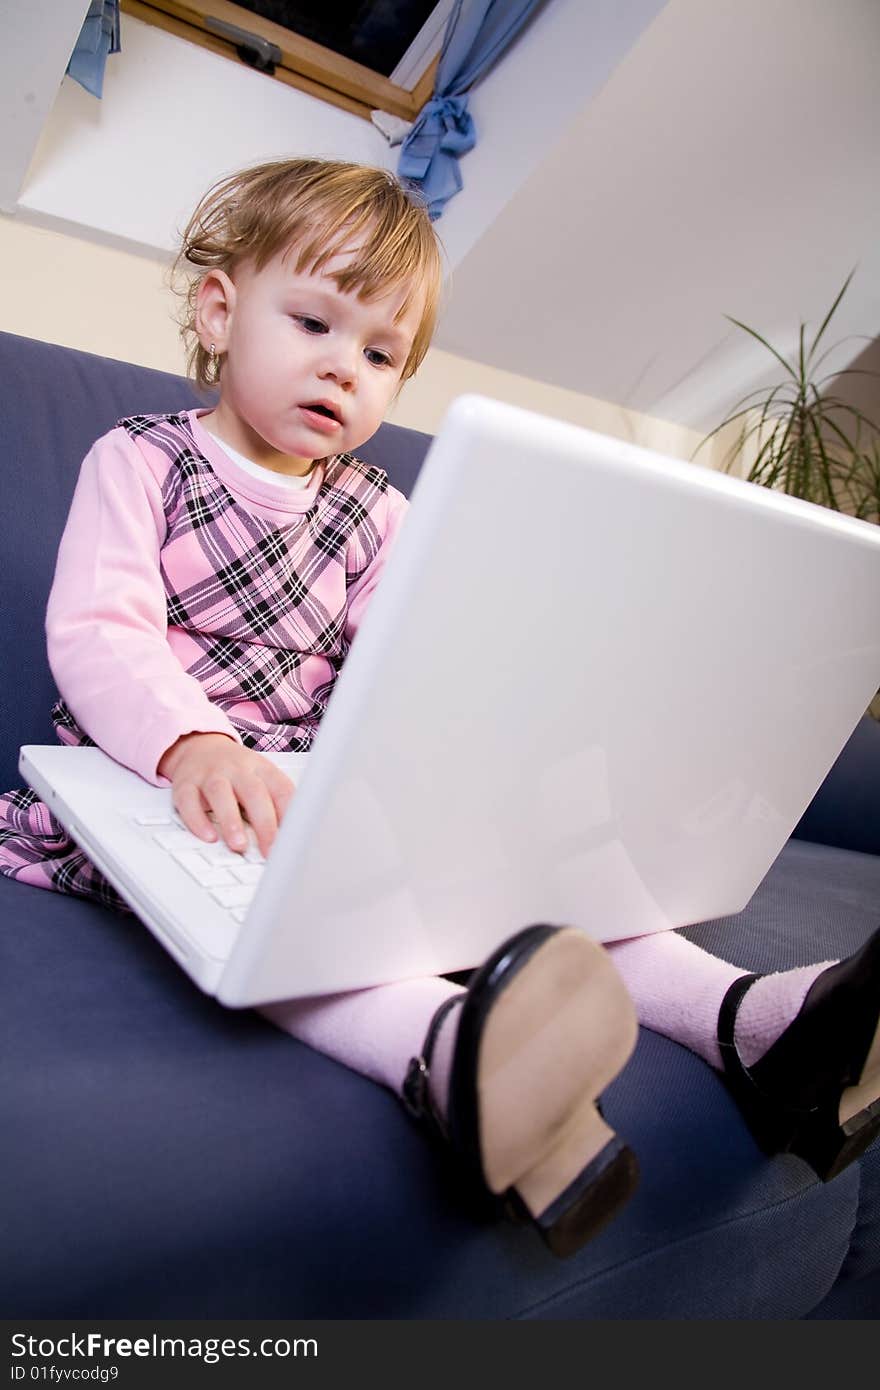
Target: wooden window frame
x,y
306,65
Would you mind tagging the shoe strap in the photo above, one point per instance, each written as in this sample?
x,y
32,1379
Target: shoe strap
x,y
416,1091
727,1021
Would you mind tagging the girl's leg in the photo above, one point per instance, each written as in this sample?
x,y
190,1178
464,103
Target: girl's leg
x,y
800,1049
678,990
508,1072
36,849
375,1031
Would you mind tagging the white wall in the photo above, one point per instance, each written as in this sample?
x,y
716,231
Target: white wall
x,y
525,103
38,39
112,181
174,117
728,166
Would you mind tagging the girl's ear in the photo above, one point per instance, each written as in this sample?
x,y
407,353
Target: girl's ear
x,y
215,301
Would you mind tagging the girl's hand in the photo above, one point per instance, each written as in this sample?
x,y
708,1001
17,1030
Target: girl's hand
x,y
212,775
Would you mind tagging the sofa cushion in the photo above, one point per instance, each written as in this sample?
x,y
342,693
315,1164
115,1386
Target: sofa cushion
x,y
171,1158
846,809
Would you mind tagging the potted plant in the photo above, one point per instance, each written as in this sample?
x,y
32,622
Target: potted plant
x,y
801,437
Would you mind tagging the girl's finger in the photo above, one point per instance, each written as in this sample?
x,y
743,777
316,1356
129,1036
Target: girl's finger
x,y
259,807
191,808
281,790
223,802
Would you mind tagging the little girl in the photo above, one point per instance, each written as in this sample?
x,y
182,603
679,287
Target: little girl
x,y
213,573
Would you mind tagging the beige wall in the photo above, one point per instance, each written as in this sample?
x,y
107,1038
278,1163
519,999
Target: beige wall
x,y
444,376
65,289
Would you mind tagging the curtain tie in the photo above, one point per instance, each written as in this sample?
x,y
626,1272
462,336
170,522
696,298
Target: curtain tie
x,y
445,124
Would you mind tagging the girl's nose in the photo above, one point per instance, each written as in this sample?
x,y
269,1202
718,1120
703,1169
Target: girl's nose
x,y
340,365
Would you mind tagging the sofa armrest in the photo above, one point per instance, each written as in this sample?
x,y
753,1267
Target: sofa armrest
x,y
845,812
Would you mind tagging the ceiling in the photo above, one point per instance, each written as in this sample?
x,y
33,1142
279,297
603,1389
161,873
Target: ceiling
x,y
728,166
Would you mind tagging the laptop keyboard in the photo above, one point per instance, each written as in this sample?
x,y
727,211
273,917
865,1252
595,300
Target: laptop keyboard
x,y
230,879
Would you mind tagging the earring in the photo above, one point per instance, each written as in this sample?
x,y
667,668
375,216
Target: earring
x,y
215,365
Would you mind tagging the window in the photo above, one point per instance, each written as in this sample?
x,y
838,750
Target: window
x,y
358,55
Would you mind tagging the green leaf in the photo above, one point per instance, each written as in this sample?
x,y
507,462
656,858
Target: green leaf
x,y
850,338
825,468
809,443
763,341
831,312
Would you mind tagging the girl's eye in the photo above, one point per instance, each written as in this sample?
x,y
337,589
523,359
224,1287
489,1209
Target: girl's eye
x,y
310,324
377,358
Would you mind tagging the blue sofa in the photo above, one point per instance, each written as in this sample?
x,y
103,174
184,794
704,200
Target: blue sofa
x,y
163,1157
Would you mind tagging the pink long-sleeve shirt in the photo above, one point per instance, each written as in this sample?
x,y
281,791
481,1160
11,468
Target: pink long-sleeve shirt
x,y
190,596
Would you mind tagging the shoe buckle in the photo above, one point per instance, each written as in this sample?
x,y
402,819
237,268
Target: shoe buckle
x,y
414,1092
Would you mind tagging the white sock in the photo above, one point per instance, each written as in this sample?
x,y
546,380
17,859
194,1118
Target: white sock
x,y
767,1008
376,1031
677,989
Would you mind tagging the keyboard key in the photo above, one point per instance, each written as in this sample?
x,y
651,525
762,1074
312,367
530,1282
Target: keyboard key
x,y
205,874
175,839
218,853
239,895
246,873
228,876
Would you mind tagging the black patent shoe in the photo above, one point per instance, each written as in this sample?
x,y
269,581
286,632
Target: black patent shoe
x,y
816,1090
545,1025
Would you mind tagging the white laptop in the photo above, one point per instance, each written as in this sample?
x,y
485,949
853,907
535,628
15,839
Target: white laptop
x,y
596,687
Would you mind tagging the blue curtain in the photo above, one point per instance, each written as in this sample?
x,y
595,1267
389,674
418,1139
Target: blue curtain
x,y
98,37
477,34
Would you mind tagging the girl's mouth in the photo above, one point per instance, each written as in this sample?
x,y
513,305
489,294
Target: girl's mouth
x,y
321,416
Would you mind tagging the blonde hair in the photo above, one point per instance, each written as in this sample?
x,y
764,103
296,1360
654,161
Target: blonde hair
x,y
314,208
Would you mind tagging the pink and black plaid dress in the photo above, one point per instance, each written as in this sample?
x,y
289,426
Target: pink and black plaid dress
x,y
190,596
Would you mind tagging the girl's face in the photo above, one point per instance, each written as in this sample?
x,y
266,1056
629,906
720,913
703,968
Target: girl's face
x,y
308,371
